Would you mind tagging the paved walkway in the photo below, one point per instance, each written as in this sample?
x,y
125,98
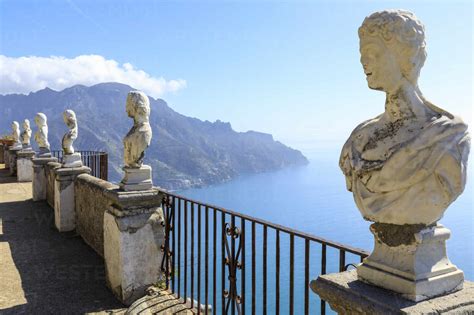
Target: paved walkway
x,y
43,271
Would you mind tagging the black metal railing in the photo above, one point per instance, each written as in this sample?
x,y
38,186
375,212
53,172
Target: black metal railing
x,y
231,273
97,161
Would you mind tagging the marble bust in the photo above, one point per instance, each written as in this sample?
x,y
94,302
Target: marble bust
x,y
408,164
41,135
70,120
26,135
137,140
16,135
405,166
70,158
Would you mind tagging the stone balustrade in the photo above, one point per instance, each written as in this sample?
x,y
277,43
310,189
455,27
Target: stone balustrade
x,y
92,201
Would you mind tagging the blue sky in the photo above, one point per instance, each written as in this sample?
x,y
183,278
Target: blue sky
x,y
288,68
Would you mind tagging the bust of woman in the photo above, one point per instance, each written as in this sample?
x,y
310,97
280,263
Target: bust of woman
x,y
70,120
26,134
408,164
41,135
16,135
138,138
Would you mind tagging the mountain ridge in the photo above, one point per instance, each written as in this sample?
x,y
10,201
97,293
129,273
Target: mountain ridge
x,y
185,151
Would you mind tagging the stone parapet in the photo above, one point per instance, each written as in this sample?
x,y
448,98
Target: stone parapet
x,y
348,295
25,165
12,158
91,203
2,153
64,203
50,171
133,235
6,157
40,178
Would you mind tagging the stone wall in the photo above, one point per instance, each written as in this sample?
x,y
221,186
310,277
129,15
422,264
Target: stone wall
x,y
2,152
50,177
91,203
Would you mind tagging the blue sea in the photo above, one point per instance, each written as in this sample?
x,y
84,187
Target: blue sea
x,y
313,199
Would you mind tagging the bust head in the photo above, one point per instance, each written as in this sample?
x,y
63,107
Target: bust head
x,y
15,126
138,106
41,119
26,124
70,118
392,48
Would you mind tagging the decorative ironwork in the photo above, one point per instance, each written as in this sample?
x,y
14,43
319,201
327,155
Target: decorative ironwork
x,y
223,257
166,266
233,264
97,161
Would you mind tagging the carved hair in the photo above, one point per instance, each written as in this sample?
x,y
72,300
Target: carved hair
x,y
402,31
15,125
139,102
70,118
41,119
26,124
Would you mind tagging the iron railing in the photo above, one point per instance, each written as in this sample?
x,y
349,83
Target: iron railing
x,y
97,161
224,274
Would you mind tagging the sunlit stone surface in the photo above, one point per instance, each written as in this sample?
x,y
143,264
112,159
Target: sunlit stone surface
x,y
405,166
137,176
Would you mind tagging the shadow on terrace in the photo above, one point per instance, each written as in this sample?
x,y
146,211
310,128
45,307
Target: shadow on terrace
x,y
43,270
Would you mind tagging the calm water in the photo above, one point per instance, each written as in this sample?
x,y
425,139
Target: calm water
x,y
314,199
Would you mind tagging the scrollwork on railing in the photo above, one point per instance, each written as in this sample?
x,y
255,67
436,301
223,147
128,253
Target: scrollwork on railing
x,y
233,264
166,265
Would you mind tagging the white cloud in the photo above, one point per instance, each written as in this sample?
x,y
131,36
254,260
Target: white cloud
x,y
30,74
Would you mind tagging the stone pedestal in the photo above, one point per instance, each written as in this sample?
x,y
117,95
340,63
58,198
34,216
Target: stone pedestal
x,y
133,236
6,158
136,179
44,153
72,160
348,295
12,157
39,177
411,260
2,152
25,165
64,203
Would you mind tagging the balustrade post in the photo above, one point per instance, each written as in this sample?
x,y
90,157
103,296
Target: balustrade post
x,y
64,202
134,224
40,181
25,165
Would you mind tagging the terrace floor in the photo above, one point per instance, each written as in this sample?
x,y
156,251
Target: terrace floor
x,y
43,271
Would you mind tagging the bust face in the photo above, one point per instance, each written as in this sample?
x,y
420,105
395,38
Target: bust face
x,y
26,124
130,108
69,118
15,126
380,64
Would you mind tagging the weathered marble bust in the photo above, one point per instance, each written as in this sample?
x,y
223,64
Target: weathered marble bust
x,y
16,135
41,135
70,158
70,120
26,135
137,140
408,164
405,166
